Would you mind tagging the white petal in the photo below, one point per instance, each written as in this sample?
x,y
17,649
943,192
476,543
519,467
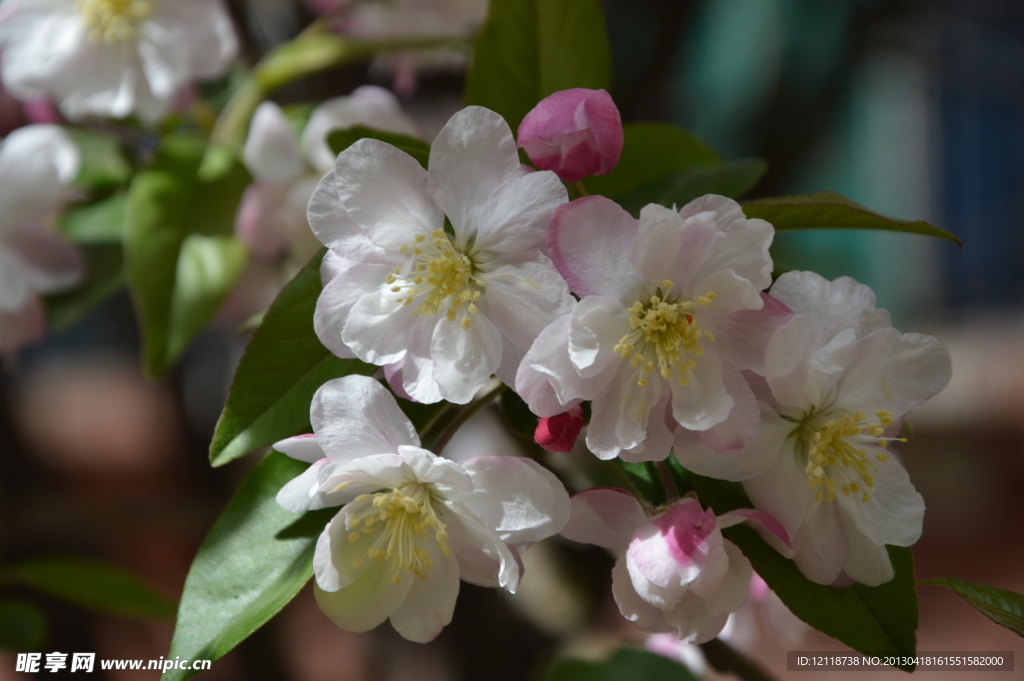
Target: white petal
x,y
732,292
632,606
334,228
385,192
380,330
464,359
345,282
833,306
741,426
703,402
744,245
367,602
894,511
51,263
302,448
430,603
36,163
356,416
547,381
741,338
297,494
753,460
598,324
798,371
430,468
604,516
782,490
590,240
271,150
866,561
658,248
693,622
820,543
484,559
517,497
732,590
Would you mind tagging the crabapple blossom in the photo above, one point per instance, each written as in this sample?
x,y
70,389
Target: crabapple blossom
x,y
670,315
447,307
113,57
558,433
676,572
37,163
838,382
411,524
575,133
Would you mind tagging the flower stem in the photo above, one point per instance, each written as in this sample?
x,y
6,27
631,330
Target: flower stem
x,y
464,415
579,190
724,658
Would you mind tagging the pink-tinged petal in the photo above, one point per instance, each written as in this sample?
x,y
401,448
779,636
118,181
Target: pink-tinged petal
x,y
367,602
356,416
266,221
770,529
796,367
298,494
893,371
385,191
753,460
546,375
743,246
464,359
21,326
334,228
819,546
558,433
575,133
866,561
272,150
302,448
894,511
782,490
430,603
833,306
633,607
393,375
660,250
52,264
517,497
590,241
741,338
431,468
604,516
672,549
735,585
474,172
741,426
598,325
703,402
524,294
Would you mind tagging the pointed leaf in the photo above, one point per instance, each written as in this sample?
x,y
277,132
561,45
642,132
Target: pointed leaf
x,y
254,561
93,585
1002,606
104,164
733,179
104,274
528,49
645,479
97,222
832,210
284,364
872,620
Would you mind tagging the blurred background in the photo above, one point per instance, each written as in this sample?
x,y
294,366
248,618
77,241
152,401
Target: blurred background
x,y
913,108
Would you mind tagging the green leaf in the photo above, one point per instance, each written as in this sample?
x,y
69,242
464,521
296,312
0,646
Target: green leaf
x,y
528,49
22,626
1002,606
104,274
178,283
646,479
832,210
677,189
517,415
104,164
254,561
340,140
625,665
97,222
93,585
651,151
872,620
282,367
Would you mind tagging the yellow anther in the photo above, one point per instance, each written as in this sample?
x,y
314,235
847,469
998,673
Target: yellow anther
x,y
472,308
667,284
466,322
353,537
642,383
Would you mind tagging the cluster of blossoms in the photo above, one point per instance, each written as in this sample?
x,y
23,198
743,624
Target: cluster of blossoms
x,y
448,275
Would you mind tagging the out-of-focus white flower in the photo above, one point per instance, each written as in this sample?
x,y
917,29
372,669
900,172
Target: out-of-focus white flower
x,y
113,57
451,308
839,380
37,163
411,523
676,572
670,315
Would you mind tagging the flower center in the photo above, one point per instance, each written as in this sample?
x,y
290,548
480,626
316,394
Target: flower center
x,y
665,334
841,448
405,514
114,21
437,274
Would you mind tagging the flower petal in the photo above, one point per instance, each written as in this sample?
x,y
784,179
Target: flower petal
x,y
380,330
51,263
484,559
604,516
703,402
741,426
866,561
301,448
430,468
732,590
894,511
782,490
356,416
753,460
741,338
464,359
590,240
345,282
743,246
546,375
819,546
271,150
633,607
367,602
598,324
334,228
833,306
429,606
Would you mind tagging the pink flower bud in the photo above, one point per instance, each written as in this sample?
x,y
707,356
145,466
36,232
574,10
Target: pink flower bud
x,y
558,433
575,133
